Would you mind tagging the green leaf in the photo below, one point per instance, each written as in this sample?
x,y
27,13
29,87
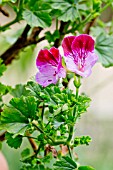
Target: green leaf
x,y
18,91
15,128
4,89
33,89
71,14
52,37
83,103
13,142
66,163
37,19
57,124
68,10
26,105
104,49
25,153
16,116
62,5
84,140
2,67
85,168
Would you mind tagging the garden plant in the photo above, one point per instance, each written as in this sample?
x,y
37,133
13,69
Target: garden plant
x,y
45,110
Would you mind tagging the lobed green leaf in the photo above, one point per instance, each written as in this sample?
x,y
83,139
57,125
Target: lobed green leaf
x,y
104,49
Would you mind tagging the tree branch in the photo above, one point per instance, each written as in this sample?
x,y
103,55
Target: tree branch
x,y
89,25
62,33
4,12
23,41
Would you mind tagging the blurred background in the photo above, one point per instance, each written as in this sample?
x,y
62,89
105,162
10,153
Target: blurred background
x,y
97,122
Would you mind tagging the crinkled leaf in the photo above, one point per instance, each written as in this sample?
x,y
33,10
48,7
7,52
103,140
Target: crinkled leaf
x,y
69,15
33,89
14,128
19,90
12,115
26,105
104,49
68,10
37,19
85,168
62,5
13,142
19,110
66,163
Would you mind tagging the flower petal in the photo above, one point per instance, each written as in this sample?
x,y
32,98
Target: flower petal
x,y
66,44
61,72
91,59
88,64
82,44
55,52
45,57
47,75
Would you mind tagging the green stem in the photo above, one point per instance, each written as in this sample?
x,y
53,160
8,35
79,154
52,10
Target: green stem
x,y
30,137
69,151
42,113
41,131
37,151
18,17
71,128
52,141
105,7
8,25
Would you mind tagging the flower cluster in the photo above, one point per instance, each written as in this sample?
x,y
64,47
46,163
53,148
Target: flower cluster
x,y
79,58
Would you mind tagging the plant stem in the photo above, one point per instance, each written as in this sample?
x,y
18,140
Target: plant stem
x,y
71,128
42,113
41,131
105,7
69,151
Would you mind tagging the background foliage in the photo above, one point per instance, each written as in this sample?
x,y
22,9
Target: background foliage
x,y
67,16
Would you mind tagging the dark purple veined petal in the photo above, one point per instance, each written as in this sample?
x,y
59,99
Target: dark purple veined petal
x,y
82,44
79,54
66,44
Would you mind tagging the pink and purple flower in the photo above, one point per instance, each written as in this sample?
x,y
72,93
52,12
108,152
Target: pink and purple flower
x,y
79,54
49,64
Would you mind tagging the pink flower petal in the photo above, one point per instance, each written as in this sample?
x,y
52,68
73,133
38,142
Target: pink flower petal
x,y
49,63
62,72
55,52
82,44
66,44
45,57
45,77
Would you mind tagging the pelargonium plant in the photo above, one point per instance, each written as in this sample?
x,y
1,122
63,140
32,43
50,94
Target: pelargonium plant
x,y
46,110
